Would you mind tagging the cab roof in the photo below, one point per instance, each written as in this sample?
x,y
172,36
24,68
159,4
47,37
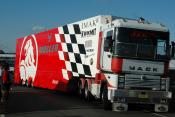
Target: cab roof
x,y
141,23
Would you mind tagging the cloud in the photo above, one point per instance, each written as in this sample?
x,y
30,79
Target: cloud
x,y
38,28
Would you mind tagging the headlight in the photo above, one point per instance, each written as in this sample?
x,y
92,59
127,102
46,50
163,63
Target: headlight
x,y
121,85
163,81
121,82
163,84
163,87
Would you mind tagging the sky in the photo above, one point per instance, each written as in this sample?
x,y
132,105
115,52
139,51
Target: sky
x,y
19,18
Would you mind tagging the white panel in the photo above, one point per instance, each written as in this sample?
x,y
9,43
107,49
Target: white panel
x,y
57,36
112,79
64,47
65,75
80,68
75,74
68,66
60,30
75,48
107,58
61,55
67,38
72,57
71,29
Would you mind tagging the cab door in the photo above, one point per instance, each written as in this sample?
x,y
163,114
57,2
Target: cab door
x,y
108,40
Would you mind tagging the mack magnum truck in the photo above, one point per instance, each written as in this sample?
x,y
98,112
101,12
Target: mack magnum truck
x,y
118,60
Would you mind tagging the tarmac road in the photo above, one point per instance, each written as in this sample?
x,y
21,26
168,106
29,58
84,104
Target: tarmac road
x,y
32,102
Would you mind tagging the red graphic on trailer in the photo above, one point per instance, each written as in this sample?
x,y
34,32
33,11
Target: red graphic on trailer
x,y
28,60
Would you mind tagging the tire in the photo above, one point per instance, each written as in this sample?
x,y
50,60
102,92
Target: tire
x,y
88,95
81,90
26,83
23,83
172,103
106,103
30,83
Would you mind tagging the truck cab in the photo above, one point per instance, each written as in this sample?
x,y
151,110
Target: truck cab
x,y
135,59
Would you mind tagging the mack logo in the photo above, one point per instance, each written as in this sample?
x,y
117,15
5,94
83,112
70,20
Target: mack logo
x,y
147,69
88,24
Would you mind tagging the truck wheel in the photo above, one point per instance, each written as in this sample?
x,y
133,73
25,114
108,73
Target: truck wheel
x,y
26,83
106,103
81,90
88,95
31,84
23,82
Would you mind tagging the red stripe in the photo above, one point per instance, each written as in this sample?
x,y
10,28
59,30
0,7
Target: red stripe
x,y
166,66
99,50
116,65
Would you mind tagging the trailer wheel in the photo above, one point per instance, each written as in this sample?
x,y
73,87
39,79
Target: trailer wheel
x,y
81,90
88,95
106,103
31,84
23,82
26,83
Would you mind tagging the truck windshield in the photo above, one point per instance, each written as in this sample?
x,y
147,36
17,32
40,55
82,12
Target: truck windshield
x,y
143,44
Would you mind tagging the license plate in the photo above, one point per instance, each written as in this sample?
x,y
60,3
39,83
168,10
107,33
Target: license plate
x,y
143,96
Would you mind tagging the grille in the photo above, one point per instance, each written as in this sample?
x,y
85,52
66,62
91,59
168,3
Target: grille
x,y
142,82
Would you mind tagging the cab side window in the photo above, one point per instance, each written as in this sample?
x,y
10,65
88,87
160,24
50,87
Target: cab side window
x,y
108,41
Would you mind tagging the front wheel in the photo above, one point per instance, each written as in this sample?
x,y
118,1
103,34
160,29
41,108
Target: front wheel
x,y
106,103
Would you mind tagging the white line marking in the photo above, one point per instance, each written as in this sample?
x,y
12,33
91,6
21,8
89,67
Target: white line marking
x,y
159,115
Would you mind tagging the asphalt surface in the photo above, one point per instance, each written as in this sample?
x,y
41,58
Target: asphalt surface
x,y
32,102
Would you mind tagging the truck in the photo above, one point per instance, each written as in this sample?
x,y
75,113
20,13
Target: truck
x,y
117,60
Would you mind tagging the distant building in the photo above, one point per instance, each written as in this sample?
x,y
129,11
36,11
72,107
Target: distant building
x,y
8,57
2,52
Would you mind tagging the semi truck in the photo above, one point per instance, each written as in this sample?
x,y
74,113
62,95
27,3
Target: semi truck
x,y
118,60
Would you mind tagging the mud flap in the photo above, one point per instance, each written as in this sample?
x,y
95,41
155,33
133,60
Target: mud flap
x,y
72,86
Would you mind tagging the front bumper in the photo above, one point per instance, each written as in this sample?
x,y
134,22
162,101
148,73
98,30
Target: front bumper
x,y
140,96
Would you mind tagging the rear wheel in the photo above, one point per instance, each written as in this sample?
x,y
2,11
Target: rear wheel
x,y
30,83
88,95
23,82
81,90
26,83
